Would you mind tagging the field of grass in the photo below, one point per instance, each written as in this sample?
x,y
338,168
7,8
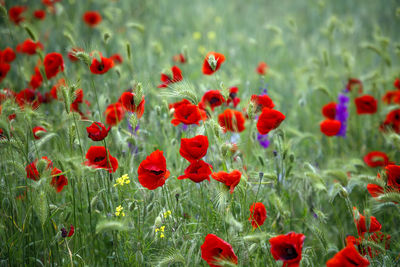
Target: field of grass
x,y
310,183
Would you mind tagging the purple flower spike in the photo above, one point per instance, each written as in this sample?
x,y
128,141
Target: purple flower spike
x,y
342,113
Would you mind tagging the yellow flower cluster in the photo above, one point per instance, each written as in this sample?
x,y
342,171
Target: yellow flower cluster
x,y
118,211
167,214
161,229
124,179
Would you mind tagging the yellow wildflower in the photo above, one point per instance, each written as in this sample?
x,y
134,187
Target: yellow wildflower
x,y
162,228
162,235
124,179
118,211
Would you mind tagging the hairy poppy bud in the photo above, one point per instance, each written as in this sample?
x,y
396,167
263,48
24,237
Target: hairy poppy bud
x,y
83,56
138,94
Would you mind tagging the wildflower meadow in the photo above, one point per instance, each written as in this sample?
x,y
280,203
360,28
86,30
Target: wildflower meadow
x,y
199,133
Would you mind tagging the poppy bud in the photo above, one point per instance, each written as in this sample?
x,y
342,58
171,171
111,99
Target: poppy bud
x,y
3,11
106,37
212,62
83,56
177,197
30,32
64,232
158,110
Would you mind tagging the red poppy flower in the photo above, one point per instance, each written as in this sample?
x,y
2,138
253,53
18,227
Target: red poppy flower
x,y
36,79
396,83
92,18
376,159
188,114
36,130
212,98
65,234
39,14
29,97
117,58
215,249
231,120
180,103
31,170
55,88
348,257
212,62
4,69
392,121
97,158
58,181
114,114
176,77
72,53
77,101
29,47
262,101
50,3
101,67
97,131
380,239
53,63
152,171
194,148
262,68
258,214
231,179
352,83
392,97
393,176
375,190
233,96
7,55
287,248
15,14
361,224
329,110
127,100
366,104
330,127
269,119
179,58
197,171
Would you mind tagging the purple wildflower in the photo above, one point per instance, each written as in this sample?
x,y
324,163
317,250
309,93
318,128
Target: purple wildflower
x,y
263,140
342,113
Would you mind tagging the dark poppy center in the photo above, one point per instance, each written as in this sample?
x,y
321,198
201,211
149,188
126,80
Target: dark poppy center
x,y
98,159
214,100
397,116
216,252
289,253
232,95
100,67
156,172
398,180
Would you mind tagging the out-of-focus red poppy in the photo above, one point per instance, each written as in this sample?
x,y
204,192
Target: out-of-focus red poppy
x,y
262,68
330,127
258,214
215,249
376,159
393,176
72,52
396,83
127,100
65,234
92,18
361,224
392,121
97,131
29,47
101,67
36,79
212,98
366,104
15,14
269,119
177,104
53,64
354,83
7,55
329,110
197,171
114,114
176,77
375,190
152,172
31,170
212,62
179,58
348,257
233,91
193,149
29,97
36,130
97,158
58,181
117,58
392,97
261,102
231,120
4,69
287,248
75,105
231,179
188,114
39,14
